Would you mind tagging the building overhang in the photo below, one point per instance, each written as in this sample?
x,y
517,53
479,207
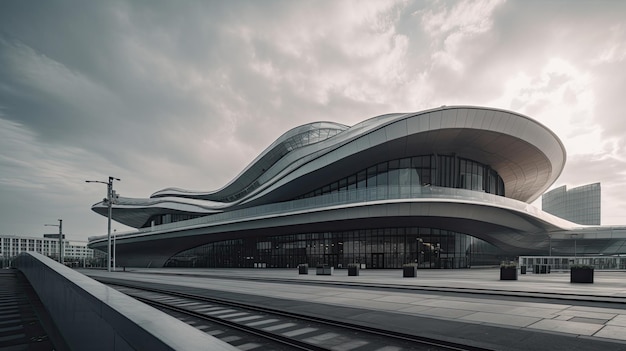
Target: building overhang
x,y
504,226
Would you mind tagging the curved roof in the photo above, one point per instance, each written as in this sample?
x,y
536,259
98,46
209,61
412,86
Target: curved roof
x,y
293,139
526,155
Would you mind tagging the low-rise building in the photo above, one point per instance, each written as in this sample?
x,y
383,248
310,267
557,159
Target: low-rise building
x,y
73,251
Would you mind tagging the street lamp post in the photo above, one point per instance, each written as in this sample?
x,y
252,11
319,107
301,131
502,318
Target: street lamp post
x,y
109,203
114,255
575,236
550,253
60,225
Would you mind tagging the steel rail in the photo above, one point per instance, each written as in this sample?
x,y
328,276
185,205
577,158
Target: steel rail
x,y
324,321
241,327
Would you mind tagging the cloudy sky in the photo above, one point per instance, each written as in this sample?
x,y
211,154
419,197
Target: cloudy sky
x,y
186,93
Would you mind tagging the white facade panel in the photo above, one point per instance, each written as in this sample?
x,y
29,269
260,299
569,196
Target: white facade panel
x,y
461,117
435,119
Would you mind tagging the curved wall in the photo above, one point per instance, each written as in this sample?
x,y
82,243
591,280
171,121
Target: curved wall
x,y
526,156
481,149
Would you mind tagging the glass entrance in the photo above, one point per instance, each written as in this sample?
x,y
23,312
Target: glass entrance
x,y
378,260
331,260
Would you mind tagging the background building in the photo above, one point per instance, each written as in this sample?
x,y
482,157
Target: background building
x,y
580,205
73,252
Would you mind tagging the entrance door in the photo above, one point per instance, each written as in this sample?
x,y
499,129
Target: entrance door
x,y
378,260
331,259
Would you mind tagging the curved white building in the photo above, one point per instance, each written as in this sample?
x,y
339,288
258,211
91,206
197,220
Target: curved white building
x,y
447,187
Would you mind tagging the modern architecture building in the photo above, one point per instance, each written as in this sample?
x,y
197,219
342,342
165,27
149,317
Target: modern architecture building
x,y
580,205
449,187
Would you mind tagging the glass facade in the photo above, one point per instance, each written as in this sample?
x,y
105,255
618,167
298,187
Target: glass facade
x,y
168,218
406,175
579,205
399,178
376,248
297,141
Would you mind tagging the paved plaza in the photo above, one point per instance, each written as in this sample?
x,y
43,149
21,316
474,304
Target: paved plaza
x,y
589,311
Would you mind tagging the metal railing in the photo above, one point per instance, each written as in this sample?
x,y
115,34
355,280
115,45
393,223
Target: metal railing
x,y
564,263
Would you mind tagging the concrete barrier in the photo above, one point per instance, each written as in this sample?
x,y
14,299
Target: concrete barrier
x,y
92,316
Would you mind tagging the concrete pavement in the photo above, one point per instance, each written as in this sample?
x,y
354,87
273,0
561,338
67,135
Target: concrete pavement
x,y
523,308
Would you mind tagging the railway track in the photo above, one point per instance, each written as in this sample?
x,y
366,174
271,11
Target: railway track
x,y
254,327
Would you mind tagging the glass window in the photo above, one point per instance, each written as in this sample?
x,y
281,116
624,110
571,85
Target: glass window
x,y
416,162
405,178
342,184
407,175
382,167
382,181
334,187
352,182
371,177
394,182
361,176
462,174
382,174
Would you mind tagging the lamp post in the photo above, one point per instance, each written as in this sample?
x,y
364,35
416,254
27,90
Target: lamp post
x,y
550,237
60,225
574,236
114,255
109,201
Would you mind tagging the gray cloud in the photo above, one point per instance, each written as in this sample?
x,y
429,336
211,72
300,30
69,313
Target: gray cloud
x,y
186,94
